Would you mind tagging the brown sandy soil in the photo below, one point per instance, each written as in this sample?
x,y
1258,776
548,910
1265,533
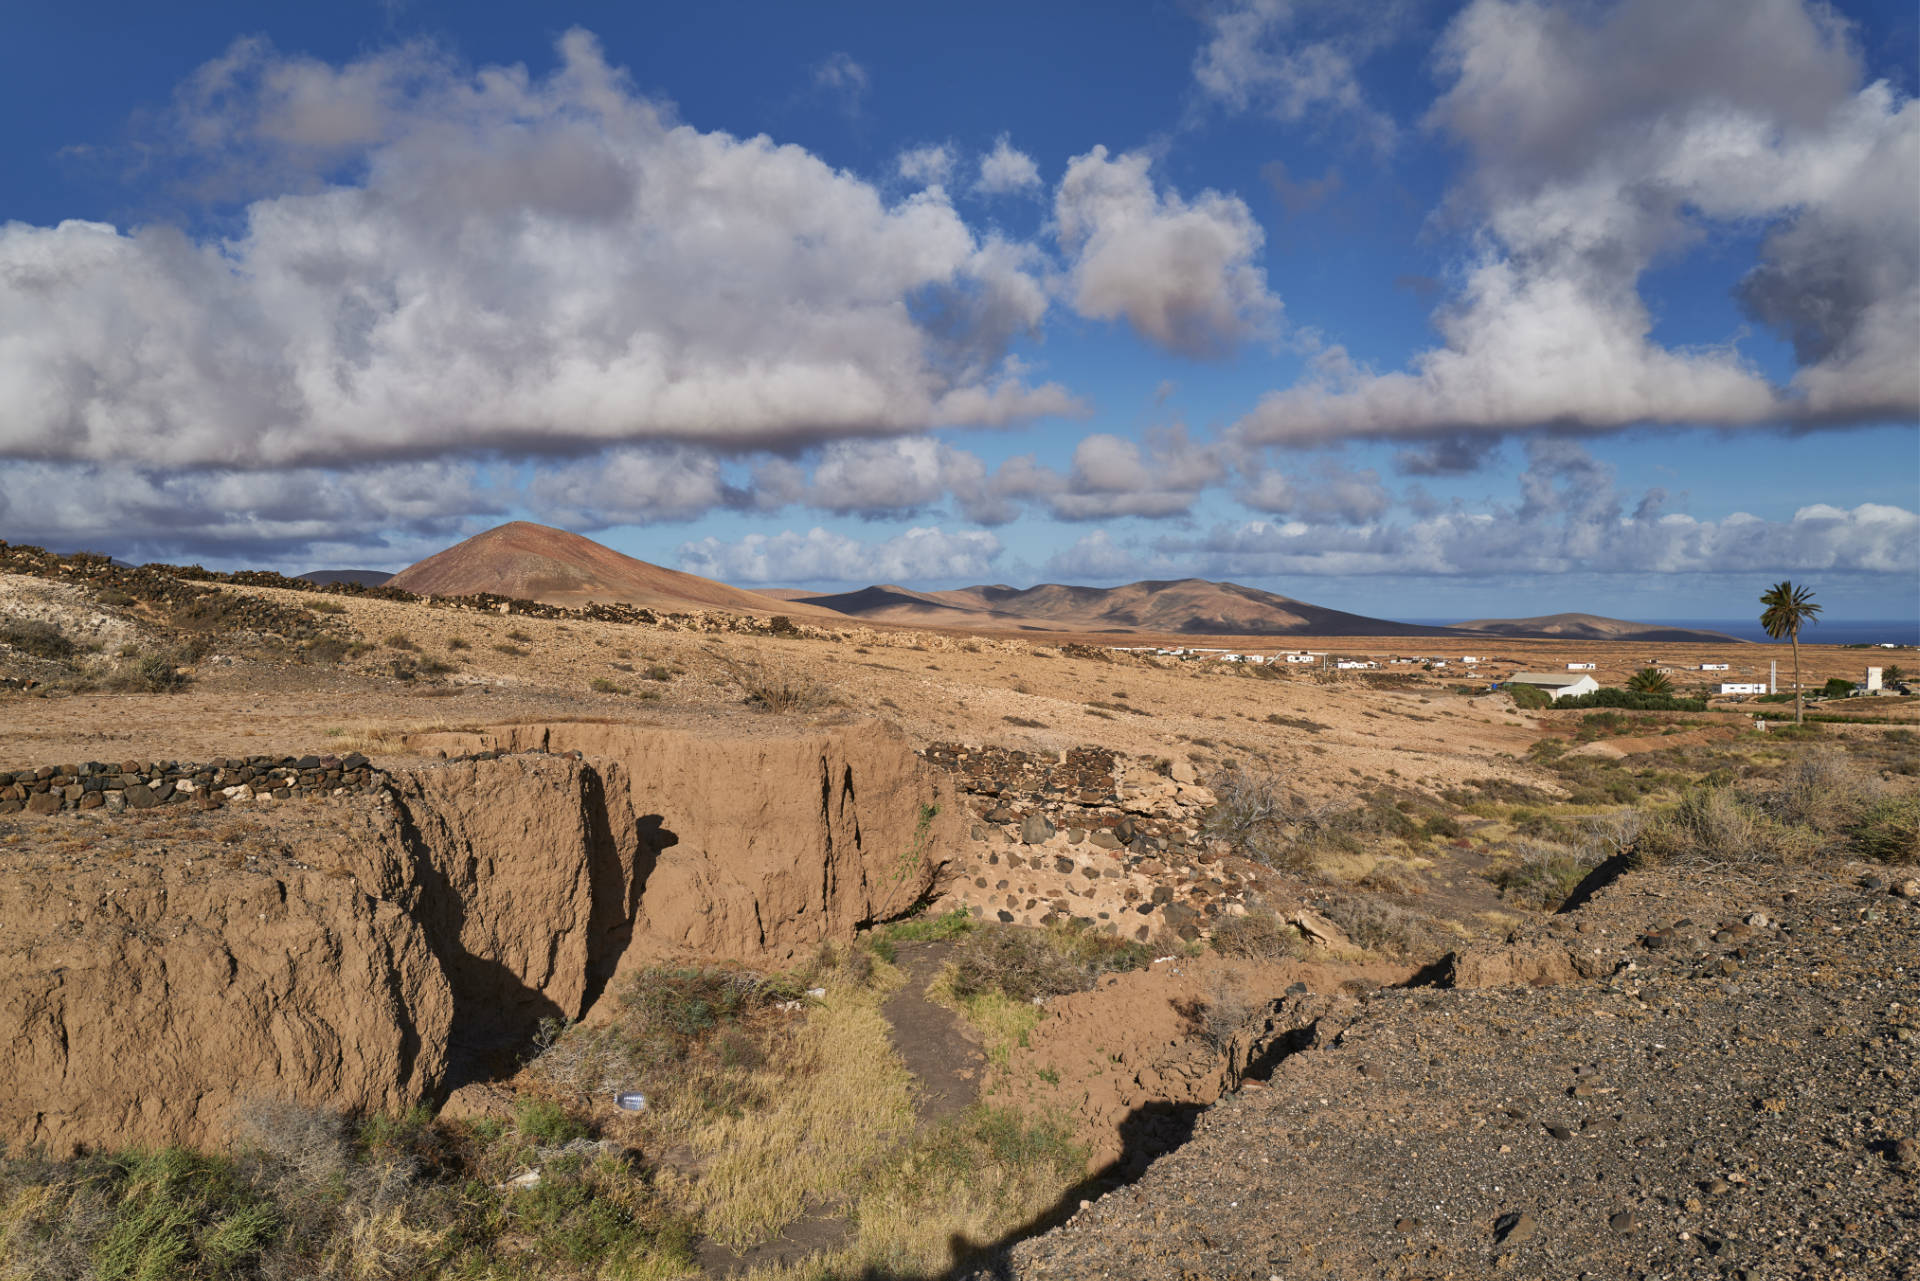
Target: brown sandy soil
x,y
936,687
1131,1062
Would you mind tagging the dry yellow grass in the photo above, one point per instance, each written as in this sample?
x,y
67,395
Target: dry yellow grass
x,y
841,1100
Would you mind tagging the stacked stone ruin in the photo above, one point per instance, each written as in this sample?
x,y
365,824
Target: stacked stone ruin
x,y
1087,837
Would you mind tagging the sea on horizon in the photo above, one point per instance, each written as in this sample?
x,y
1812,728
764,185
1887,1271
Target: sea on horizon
x,y
1863,631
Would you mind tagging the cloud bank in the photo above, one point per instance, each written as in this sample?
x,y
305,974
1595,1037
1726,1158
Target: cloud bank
x,y
1606,138
521,264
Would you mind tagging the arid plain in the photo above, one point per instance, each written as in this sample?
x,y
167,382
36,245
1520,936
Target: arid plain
x,y
928,946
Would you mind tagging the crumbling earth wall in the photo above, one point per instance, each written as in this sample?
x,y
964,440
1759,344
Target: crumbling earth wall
x,y
146,1001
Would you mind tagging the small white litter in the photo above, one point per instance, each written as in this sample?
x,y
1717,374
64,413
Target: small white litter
x,y
630,1101
529,1179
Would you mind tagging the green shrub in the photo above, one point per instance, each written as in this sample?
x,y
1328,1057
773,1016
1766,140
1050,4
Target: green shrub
x,y
1635,702
175,1213
1837,687
1529,697
545,1121
601,685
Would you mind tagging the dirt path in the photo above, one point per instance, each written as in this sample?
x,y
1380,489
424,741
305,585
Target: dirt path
x,y
943,1059
944,1062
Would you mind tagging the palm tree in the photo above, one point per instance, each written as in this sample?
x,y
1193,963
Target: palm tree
x,y
1650,680
1787,609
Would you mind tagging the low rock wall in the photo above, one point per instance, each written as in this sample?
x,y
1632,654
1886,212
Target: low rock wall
x,y
1088,836
142,785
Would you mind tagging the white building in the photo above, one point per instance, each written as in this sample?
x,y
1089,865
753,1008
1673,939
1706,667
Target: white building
x,y
1581,667
1743,687
1302,658
1713,667
1556,685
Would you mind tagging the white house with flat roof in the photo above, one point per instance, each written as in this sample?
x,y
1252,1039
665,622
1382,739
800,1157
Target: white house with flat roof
x,y
1743,687
1713,667
1581,667
1557,685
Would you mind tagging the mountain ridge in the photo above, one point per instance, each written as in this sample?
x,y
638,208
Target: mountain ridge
x,y
539,562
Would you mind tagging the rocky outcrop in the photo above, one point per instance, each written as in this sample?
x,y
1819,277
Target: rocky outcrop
x,y
387,949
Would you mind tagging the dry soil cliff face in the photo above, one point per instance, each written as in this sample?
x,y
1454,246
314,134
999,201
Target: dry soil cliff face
x,y
369,956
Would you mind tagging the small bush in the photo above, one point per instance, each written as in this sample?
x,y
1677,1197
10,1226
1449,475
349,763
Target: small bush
x,y
399,640
1257,936
1716,825
1022,963
1383,927
1633,701
327,650
1889,830
1529,698
657,673
511,651
456,643
1821,790
545,1121
686,1003
435,667
601,685
326,607
41,640
519,636
153,674
925,928
1544,876
770,689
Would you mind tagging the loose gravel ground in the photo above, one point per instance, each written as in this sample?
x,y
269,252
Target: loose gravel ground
x,y
1731,1096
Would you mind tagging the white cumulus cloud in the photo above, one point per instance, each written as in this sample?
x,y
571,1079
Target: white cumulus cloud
x,y
1604,139
1006,170
1180,272
518,264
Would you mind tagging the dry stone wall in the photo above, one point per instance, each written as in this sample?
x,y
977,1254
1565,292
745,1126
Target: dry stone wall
x,y
1087,835
144,785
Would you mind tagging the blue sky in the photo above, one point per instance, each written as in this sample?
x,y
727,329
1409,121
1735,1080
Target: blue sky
x,y
1417,309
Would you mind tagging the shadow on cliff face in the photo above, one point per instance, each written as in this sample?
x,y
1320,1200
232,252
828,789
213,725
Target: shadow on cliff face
x,y
496,1011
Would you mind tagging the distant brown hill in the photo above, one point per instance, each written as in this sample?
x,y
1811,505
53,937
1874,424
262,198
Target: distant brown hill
x,y
1590,627
1191,606
536,562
